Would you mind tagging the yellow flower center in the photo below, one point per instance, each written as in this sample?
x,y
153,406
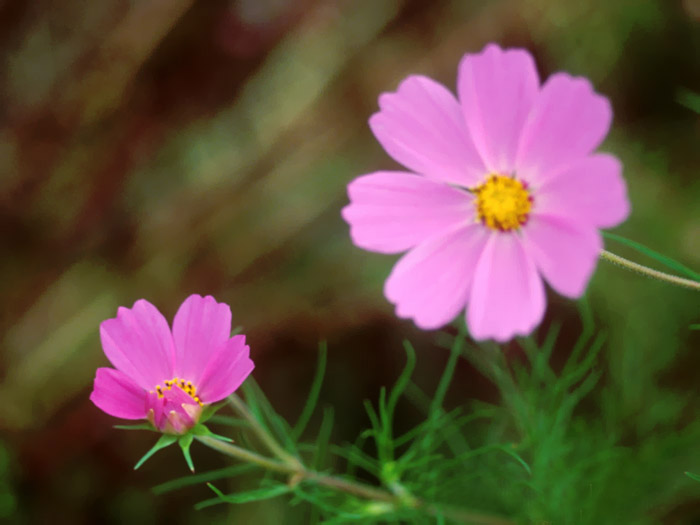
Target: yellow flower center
x,y
186,386
502,203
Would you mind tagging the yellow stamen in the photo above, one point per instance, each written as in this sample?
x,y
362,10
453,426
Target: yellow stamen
x,y
502,203
186,386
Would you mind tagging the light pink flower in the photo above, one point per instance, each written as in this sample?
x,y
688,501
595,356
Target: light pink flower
x,y
504,190
167,377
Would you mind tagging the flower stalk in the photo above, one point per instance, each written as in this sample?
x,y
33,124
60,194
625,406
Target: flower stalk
x,y
270,442
649,272
285,463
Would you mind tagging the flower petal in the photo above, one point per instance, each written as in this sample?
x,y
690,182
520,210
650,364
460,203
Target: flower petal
x,y
390,212
226,371
591,191
564,252
118,395
422,127
568,121
430,284
497,89
507,297
138,342
201,326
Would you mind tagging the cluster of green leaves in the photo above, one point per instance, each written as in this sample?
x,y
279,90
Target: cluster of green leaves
x,y
542,454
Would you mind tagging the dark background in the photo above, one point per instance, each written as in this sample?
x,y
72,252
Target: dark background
x,y
158,148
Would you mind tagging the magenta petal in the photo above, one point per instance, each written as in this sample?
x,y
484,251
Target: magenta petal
x,y
117,395
565,253
422,127
497,89
225,372
201,326
507,297
390,212
155,407
430,284
568,121
138,342
592,191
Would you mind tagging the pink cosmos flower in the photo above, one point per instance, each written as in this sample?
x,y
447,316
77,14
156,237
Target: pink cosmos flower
x,y
167,377
504,190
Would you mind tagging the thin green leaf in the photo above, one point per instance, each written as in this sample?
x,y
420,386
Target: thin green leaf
x,y
140,426
516,457
693,476
539,355
689,99
447,374
247,496
404,378
574,373
229,421
695,326
314,392
373,417
208,503
212,475
663,259
325,506
323,439
356,458
265,414
164,441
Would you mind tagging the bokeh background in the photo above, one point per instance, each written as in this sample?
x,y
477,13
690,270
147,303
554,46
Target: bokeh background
x,y
157,148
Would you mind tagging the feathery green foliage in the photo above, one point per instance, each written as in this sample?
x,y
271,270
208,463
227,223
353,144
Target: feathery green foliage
x,y
538,456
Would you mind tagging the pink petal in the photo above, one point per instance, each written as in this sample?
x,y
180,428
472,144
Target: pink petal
x,y
155,408
226,371
497,89
430,284
117,395
421,126
138,342
564,252
591,191
201,326
568,121
390,212
507,297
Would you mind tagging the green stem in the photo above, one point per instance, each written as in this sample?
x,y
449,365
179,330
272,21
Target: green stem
x,y
298,472
237,452
270,442
649,272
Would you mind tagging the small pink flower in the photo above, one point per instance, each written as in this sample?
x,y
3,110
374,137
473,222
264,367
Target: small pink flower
x,y
167,377
505,190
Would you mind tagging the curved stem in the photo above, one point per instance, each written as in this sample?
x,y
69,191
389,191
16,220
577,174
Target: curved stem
x,y
299,473
270,442
649,272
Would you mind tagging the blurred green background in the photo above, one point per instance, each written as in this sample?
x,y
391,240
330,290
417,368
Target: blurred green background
x,y
158,148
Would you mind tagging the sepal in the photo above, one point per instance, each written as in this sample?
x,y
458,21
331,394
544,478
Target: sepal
x,y
184,440
164,441
185,443
201,430
208,411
